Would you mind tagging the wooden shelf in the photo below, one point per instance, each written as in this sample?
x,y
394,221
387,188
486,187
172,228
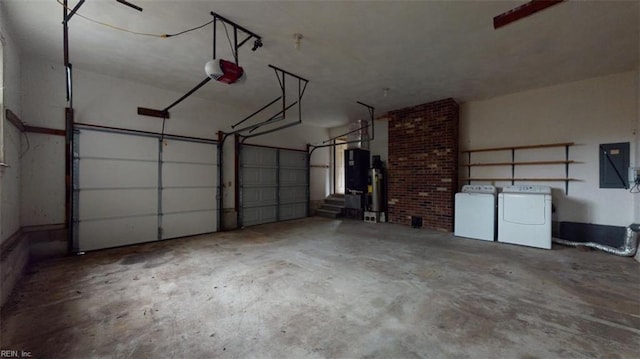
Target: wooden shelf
x,y
564,144
518,163
513,163
509,179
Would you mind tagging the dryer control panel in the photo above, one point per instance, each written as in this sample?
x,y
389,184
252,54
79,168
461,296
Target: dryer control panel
x,y
527,188
478,188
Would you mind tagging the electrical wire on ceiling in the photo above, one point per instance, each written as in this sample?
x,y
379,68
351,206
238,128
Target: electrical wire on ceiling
x,y
114,27
229,38
188,30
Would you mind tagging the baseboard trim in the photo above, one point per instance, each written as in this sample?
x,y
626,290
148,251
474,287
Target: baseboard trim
x,y
612,236
10,243
44,227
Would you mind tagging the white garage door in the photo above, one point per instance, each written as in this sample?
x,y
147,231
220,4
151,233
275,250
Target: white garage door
x,y
293,184
123,193
273,184
259,185
189,188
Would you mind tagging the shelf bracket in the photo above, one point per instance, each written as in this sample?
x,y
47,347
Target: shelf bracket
x,y
513,166
469,168
566,170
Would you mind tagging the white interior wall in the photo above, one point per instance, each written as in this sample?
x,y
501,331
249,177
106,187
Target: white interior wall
x,y
109,101
588,112
12,138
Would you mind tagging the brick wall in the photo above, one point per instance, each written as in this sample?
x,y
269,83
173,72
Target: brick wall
x,y
423,164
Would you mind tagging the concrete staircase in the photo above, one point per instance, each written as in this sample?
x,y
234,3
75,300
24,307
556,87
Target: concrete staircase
x,y
333,206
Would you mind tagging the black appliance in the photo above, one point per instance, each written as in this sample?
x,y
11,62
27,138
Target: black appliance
x,y
356,162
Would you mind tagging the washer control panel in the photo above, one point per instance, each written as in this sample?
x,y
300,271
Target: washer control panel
x,y
478,188
527,188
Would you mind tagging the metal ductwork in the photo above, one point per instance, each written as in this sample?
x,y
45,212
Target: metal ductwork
x,y
628,249
358,135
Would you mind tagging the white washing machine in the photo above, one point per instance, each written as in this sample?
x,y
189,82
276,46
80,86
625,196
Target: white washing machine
x,y
475,212
524,216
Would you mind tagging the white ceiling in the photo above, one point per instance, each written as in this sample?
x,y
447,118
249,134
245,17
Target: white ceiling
x,y
421,51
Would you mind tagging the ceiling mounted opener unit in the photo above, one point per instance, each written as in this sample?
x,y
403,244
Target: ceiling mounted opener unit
x,y
225,71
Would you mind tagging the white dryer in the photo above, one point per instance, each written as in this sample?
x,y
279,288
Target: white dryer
x,y
475,212
524,216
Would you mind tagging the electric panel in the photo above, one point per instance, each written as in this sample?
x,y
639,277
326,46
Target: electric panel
x,y
614,164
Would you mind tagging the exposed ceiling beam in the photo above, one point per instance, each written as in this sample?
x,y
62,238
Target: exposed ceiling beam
x,y
522,11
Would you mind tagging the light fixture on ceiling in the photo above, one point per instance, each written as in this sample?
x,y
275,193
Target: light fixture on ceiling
x,y
256,44
297,37
385,91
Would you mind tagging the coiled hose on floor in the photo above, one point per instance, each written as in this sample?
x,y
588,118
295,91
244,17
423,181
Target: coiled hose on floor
x,y
628,249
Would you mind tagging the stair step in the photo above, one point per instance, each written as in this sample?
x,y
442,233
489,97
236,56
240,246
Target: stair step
x,y
332,207
328,213
336,202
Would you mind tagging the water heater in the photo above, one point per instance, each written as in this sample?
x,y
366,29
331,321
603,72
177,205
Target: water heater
x,y
377,190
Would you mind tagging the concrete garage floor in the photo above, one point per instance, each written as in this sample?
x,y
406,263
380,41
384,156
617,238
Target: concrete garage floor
x,y
320,288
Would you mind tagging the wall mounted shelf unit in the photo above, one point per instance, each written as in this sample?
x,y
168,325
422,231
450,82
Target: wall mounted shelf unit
x,y
513,163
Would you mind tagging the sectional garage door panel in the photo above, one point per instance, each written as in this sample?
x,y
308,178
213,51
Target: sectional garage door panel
x,y
186,175
292,211
187,199
293,184
118,173
107,233
189,152
259,177
293,195
189,188
274,184
259,181
293,159
293,176
259,197
99,144
253,156
104,204
259,215
131,188
116,189
188,224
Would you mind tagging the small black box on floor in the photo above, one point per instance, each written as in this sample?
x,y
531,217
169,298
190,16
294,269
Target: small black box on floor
x,y
353,201
416,222
611,236
353,213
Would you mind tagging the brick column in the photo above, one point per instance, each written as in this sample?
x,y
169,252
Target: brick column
x,y
423,164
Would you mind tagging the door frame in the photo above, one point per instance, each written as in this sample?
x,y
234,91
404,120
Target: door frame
x,y
338,143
